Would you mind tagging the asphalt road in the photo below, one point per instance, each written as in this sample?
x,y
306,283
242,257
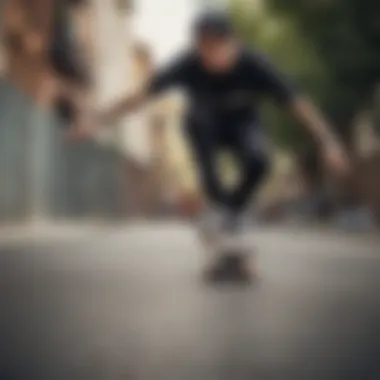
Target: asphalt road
x,y
127,303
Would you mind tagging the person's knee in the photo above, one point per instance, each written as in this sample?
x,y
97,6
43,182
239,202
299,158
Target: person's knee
x,y
212,186
258,166
263,166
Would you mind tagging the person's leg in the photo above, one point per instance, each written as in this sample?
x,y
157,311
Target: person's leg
x,y
250,150
204,146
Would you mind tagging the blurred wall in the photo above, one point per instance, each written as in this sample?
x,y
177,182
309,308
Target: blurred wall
x,y
2,56
136,142
112,63
26,37
41,174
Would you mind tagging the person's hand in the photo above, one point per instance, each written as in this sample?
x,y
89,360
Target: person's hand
x,y
104,118
76,133
83,129
336,158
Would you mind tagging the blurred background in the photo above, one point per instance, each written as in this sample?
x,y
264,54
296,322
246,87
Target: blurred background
x,y
100,50
106,286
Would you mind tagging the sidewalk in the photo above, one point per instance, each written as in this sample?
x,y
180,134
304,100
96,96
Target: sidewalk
x,y
45,231
49,231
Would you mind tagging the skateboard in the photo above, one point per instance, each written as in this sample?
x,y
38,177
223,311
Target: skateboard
x,y
230,260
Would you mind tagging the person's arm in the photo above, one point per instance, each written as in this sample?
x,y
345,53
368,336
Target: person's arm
x,y
332,149
309,115
77,94
124,106
304,111
172,75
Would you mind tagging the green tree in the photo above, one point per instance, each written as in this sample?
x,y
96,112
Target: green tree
x,y
278,37
346,37
332,50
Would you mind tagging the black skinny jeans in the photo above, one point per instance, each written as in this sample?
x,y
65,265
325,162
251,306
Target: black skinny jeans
x,y
245,142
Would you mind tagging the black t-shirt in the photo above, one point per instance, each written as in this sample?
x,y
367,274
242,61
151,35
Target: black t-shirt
x,y
229,97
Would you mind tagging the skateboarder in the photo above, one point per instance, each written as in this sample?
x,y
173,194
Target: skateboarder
x,y
225,83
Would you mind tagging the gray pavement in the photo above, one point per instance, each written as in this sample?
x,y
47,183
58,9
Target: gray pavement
x,y
127,303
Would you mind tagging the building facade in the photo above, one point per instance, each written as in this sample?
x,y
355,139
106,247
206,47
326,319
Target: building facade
x,y
41,173
26,31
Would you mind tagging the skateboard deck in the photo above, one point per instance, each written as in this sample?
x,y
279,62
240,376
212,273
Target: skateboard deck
x,y
229,260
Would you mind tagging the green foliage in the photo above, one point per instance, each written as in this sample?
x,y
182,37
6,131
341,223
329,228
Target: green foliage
x,y
330,47
279,39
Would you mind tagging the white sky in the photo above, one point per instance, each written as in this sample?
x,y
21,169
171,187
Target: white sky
x,y
164,24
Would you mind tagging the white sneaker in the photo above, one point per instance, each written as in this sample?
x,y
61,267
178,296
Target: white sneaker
x,y
211,220
236,223
234,231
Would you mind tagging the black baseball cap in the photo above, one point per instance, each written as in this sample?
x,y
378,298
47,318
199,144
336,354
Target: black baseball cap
x,y
212,24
